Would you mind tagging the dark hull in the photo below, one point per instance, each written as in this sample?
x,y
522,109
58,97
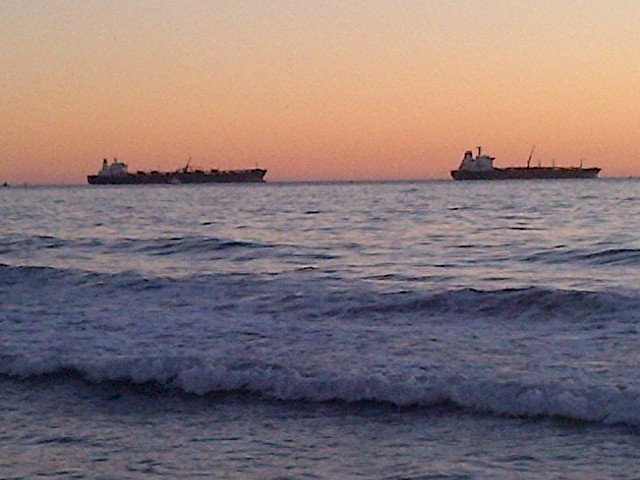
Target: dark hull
x,y
533,173
172,178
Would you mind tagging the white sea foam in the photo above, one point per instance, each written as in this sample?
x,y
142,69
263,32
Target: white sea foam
x,y
607,404
529,352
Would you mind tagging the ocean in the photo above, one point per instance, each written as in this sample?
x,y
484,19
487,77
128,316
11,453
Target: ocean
x,y
392,330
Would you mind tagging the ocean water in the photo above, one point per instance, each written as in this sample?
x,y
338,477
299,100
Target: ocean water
x,y
427,330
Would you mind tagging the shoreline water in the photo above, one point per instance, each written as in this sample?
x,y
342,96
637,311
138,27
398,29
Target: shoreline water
x,y
383,330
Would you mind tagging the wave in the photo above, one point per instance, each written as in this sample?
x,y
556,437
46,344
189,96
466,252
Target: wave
x,y
65,320
183,245
151,246
605,257
306,293
515,303
604,404
35,242
617,256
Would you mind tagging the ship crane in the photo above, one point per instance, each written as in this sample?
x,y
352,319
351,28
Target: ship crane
x,y
530,156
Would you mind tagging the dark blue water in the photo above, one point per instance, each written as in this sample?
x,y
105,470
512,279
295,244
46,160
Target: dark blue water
x,y
375,330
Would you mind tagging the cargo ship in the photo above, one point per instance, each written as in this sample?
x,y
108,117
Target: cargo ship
x,y
481,168
117,173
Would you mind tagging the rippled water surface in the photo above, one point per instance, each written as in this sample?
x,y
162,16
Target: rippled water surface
x,y
366,330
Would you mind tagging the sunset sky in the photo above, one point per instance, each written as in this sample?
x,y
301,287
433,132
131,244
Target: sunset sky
x,y
316,90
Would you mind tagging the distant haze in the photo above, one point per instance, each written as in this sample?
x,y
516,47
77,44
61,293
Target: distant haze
x,y
316,90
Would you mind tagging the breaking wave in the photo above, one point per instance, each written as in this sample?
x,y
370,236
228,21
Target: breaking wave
x,y
270,336
306,292
605,404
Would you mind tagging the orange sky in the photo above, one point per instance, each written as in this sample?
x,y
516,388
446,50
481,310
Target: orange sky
x,y
316,90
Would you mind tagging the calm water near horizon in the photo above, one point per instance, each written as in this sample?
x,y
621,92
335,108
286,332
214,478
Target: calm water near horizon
x,y
388,330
